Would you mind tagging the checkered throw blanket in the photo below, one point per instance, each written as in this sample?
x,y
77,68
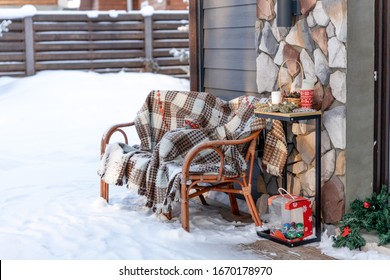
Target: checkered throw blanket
x,y
169,124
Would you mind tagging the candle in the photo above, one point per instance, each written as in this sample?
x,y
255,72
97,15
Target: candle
x,y
275,97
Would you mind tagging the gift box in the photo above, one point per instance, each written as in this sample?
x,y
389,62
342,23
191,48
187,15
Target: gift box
x,y
295,216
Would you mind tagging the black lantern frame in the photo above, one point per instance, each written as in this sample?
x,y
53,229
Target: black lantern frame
x,y
287,11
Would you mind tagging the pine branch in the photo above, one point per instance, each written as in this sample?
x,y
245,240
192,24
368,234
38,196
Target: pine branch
x,y
384,238
372,214
352,241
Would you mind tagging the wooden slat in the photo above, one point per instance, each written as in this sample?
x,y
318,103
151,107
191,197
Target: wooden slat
x,y
226,3
169,34
85,35
76,45
171,70
12,36
167,25
174,43
11,46
230,59
116,70
230,80
79,55
170,16
237,16
161,52
232,38
88,26
89,64
84,17
169,61
13,74
16,26
12,67
12,56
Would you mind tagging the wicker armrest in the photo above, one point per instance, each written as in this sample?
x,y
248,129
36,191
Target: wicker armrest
x,y
216,146
107,135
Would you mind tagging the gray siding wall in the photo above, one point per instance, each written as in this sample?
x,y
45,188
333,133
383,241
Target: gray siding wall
x,y
361,98
229,51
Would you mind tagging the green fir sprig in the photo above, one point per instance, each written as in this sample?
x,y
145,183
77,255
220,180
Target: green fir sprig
x,y
372,214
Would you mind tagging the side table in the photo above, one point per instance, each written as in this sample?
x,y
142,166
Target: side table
x,y
292,117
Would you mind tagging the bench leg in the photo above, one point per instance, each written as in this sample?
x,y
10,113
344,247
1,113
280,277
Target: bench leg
x,y
253,210
184,208
104,190
233,201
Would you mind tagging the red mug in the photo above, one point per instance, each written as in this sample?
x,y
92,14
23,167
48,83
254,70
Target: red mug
x,y
307,98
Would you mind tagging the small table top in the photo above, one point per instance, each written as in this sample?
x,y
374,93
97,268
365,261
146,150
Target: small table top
x,y
289,116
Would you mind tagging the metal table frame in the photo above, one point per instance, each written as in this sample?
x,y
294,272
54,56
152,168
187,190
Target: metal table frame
x,y
291,117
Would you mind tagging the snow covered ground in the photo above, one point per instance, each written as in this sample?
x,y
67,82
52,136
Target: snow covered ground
x,y
50,127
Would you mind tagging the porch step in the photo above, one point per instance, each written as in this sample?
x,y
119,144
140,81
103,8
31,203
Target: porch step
x,y
275,251
268,249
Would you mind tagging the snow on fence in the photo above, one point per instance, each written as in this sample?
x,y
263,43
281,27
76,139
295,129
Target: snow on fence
x,y
102,42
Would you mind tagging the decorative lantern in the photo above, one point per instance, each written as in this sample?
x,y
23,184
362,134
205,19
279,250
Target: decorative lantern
x,y
296,219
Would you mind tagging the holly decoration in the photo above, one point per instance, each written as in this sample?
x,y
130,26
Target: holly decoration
x,y
371,215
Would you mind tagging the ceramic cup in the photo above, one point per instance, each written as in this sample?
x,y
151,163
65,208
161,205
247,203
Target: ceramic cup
x,y
307,92
307,98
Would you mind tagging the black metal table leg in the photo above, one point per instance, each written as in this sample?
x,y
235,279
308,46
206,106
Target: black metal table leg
x,y
318,178
285,118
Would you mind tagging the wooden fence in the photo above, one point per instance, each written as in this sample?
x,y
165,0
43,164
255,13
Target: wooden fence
x,y
102,43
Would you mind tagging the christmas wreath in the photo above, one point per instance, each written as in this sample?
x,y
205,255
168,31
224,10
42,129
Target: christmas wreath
x,y
372,214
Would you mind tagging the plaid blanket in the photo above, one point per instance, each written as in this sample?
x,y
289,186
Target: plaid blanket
x,y
169,124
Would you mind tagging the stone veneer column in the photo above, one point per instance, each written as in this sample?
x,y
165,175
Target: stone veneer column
x,y
319,41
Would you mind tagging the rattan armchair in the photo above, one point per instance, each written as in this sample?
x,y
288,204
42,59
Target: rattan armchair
x,y
216,181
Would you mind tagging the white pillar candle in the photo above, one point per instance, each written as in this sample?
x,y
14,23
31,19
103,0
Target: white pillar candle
x,y
275,97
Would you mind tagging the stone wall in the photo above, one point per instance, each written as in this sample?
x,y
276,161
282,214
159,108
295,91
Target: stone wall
x,y
318,41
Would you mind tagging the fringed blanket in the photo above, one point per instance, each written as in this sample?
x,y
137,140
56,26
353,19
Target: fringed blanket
x,y
169,124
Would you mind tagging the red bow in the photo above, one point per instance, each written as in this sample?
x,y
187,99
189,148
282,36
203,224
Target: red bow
x,y
346,232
